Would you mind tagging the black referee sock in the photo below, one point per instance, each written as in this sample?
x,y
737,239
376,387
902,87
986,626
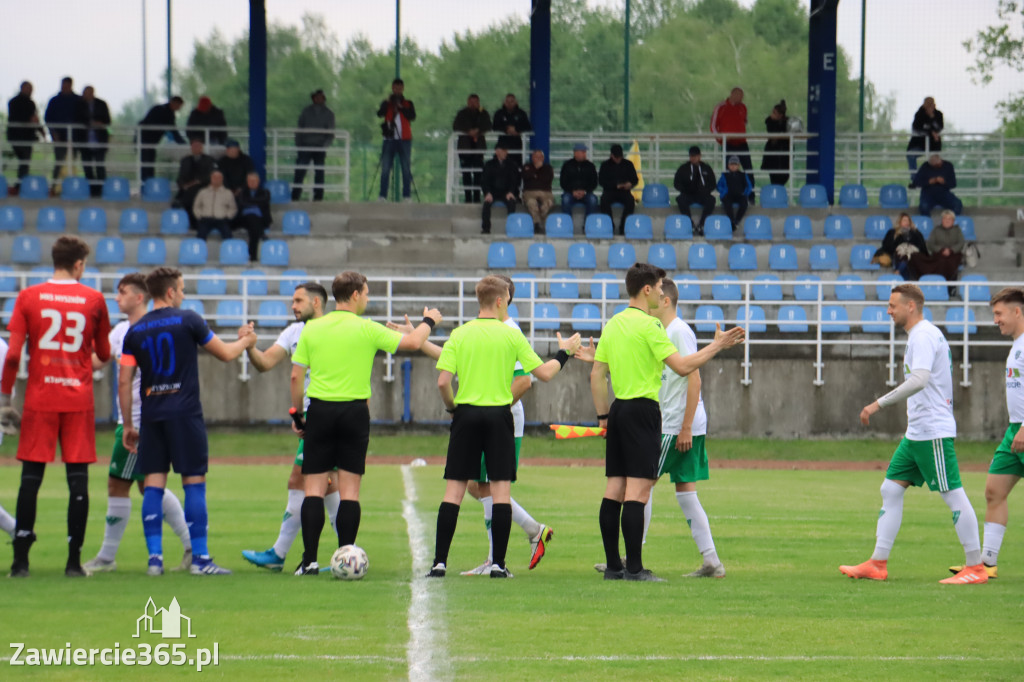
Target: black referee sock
x,y
312,515
78,510
25,511
609,520
633,534
349,513
447,518
501,526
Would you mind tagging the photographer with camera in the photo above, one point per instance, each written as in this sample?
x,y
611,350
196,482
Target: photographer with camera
x,y
398,113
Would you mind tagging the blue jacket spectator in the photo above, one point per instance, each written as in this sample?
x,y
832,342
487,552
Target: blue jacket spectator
x,y
733,188
937,179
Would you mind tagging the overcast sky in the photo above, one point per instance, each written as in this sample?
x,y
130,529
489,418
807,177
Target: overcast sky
x,y
913,46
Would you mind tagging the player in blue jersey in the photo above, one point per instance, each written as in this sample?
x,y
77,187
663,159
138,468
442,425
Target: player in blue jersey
x,y
164,347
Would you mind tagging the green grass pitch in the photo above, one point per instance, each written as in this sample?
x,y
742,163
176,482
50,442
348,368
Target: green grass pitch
x,y
783,611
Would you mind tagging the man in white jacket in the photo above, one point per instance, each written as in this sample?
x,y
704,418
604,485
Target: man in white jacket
x,y
214,208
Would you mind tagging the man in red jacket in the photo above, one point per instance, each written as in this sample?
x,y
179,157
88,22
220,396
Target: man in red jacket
x,y
397,112
730,117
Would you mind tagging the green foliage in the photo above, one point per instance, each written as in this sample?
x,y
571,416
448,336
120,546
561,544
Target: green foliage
x,y
1002,45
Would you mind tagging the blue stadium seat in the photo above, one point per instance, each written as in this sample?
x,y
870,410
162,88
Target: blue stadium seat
x,y
689,289
12,219
116,189
292,279
295,223
767,289
513,311
51,219
861,256
174,221
110,251
598,226
702,257
955,321
838,227
280,192
526,285
797,228
875,320
133,221
774,196
678,227
255,283
934,287
893,196
8,281
717,227
540,255
582,256
211,282
974,288
546,317
273,314
834,320
782,257
91,278
757,227
152,251
924,225
234,252
707,316
157,190
566,286
519,226
742,257
884,285
40,273
792,319
824,257
609,286
113,311
8,311
853,196
813,196
586,317
655,195
875,227
967,227
852,290
726,288
92,221
192,251
559,226
621,256
195,305
3,186
74,189
662,255
34,187
229,314
501,255
639,227
751,317
274,252
807,289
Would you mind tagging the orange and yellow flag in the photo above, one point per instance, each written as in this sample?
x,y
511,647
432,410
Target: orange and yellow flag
x,y
568,431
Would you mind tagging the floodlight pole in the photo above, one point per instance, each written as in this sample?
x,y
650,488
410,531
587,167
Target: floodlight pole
x,y
145,83
540,75
170,88
398,38
258,85
625,75
863,32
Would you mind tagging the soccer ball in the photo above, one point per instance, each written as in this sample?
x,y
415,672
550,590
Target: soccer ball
x,y
349,563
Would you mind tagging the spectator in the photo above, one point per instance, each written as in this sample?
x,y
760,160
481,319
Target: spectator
x,y
578,179
617,178
899,245
159,120
776,150
254,213
92,116
695,182
925,133
193,175
316,123
500,183
22,129
206,123
511,122
235,165
538,175
215,207
472,122
945,251
733,189
60,114
397,112
730,117
937,178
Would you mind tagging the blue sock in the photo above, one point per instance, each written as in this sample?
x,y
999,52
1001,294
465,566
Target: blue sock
x,y
153,519
195,517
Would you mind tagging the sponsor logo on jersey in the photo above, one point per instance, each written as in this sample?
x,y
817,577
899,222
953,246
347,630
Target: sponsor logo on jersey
x,y
1012,373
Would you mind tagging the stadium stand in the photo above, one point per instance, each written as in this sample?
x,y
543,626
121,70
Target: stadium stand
x,y
51,219
255,283
93,221
662,255
192,251
934,288
838,227
893,197
861,255
540,255
876,226
792,319
109,251
582,256
297,224
598,226
275,314
621,256
717,227
797,228
74,189
757,227
853,196
742,257
726,288
607,288
975,288
133,221
813,196
234,252
34,187
292,279
501,255
824,257
924,225
782,257
808,288
835,320
655,195
955,321
174,221
558,226
12,219
639,227
751,317
885,285
564,286
702,257
519,226
966,224
280,192
116,189
212,282
152,251
678,227
774,196
546,317
875,319
851,290
767,289
707,316
274,252
586,317
157,190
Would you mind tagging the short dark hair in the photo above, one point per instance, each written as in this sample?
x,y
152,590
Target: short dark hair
x,y
316,289
398,81
162,279
67,251
177,100
511,286
1009,296
489,288
473,95
346,284
137,281
911,292
641,275
669,288
66,79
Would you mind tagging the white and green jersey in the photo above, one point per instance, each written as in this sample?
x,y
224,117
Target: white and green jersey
x,y
930,410
116,337
672,396
288,340
518,413
1015,381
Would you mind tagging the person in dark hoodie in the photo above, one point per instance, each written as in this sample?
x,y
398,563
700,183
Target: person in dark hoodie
x,y
695,182
500,183
937,178
578,179
776,150
617,178
93,115
60,113
472,123
159,120
235,165
925,132
207,120
22,112
511,122
733,189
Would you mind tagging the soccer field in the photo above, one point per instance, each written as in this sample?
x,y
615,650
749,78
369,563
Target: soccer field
x,y
783,611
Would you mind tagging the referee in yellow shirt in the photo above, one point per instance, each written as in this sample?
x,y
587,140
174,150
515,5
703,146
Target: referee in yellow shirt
x,y
483,353
338,350
633,349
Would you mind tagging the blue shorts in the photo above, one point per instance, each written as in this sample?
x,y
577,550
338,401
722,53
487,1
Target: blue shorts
x,y
179,443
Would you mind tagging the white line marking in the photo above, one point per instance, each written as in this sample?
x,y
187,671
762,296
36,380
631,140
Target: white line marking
x,y
426,653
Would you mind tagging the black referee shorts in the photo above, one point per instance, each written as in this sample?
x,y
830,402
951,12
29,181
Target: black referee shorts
x,y
633,446
337,435
477,429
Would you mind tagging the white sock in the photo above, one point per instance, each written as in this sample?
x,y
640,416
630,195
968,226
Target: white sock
x,y
119,510
522,517
291,524
700,529
889,519
993,541
966,523
7,522
174,516
488,503
331,502
647,515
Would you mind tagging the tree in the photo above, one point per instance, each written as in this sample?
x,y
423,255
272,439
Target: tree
x,y
1002,45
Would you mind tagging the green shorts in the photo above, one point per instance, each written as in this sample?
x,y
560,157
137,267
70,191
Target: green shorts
x,y
123,464
921,461
683,467
1005,460
483,464
298,455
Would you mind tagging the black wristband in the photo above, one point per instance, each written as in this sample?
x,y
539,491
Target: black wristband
x,y
429,322
562,358
602,416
